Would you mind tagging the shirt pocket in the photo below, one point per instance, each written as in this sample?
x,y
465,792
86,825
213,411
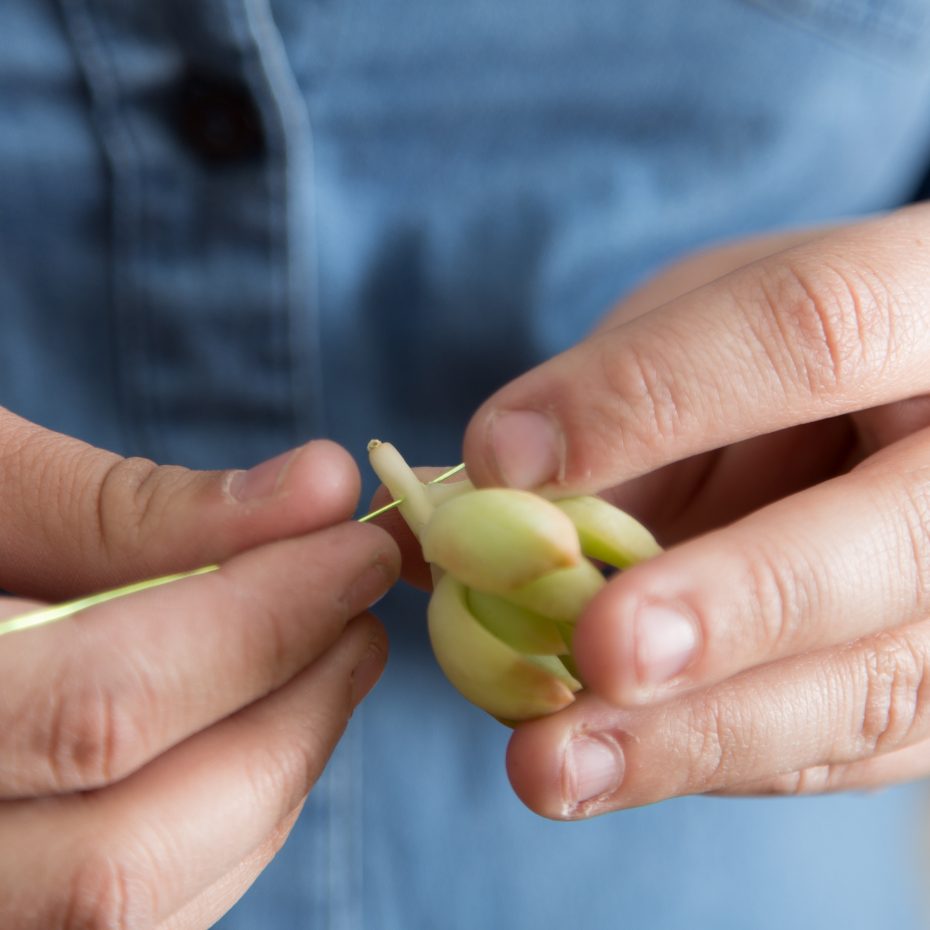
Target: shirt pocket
x,y
886,28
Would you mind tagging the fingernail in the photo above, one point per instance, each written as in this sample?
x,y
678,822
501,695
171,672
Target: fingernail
x,y
367,672
528,448
260,481
666,643
593,768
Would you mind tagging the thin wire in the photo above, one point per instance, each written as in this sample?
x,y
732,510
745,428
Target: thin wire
x,y
400,500
60,611
45,615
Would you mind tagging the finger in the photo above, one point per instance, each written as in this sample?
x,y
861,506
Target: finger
x,y
884,425
414,569
830,708
835,325
88,700
844,559
75,519
710,490
701,268
213,902
14,606
134,853
881,771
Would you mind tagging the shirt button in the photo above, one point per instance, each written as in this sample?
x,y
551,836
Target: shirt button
x,y
218,119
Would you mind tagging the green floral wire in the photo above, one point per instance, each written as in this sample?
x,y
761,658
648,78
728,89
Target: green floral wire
x,y
393,504
57,612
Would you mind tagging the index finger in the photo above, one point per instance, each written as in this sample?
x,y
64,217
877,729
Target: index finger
x,y
86,701
76,519
830,326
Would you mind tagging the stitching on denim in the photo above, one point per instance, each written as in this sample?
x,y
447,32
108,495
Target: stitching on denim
x,y
866,25
274,175
118,147
302,323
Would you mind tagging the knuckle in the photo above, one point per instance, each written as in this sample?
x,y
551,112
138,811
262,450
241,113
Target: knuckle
x,y
815,779
108,892
782,596
914,508
38,459
894,700
91,736
127,506
713,745
831,324
653,408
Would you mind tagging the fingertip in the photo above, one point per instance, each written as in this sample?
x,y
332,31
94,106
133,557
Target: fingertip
x,y
324,478
415,570
634,649
533,762
551,429
517,448
604,648
381,548
371,664
199,517
571,765
479,463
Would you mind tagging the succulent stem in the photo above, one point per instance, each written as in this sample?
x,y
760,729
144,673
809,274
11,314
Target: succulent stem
x,y
398,477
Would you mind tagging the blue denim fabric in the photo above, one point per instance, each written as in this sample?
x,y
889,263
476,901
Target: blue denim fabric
x,y
426,199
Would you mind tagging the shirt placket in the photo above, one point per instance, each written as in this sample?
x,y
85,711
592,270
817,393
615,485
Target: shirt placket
x,y
208,148
207,142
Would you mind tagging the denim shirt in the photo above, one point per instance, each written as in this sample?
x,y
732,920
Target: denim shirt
x,y
229,225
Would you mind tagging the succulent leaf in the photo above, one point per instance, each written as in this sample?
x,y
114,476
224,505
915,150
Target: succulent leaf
x,y
488,672
561,594
518,627
608,533
511,576
498,539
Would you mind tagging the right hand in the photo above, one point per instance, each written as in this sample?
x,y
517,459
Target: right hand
x,y
155,750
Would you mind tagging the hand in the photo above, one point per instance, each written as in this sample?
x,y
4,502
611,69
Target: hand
x,y
155,750
774,423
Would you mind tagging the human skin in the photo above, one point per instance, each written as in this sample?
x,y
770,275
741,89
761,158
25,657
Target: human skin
x,y
763,408
155,750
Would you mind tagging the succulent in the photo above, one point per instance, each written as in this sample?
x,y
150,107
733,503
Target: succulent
x,y
512,571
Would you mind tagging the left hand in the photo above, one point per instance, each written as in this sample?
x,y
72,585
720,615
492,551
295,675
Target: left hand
x,y
155,749
774,423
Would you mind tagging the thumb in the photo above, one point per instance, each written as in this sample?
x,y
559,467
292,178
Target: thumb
x,y
548,429
76,519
